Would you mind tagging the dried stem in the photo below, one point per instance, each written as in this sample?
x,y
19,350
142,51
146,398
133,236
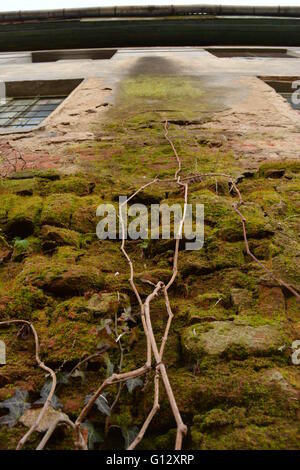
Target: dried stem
x,y
107,421
236,206
150,416
113,379
147,326
51,429
152,347
104,348
249,252
45,368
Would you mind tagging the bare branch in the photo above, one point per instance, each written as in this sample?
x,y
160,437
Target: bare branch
x,y
150,416
53,386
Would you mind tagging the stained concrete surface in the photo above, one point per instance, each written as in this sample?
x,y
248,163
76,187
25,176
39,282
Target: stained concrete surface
x,y
254,120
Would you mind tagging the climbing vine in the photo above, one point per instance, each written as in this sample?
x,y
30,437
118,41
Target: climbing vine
x,y
155,347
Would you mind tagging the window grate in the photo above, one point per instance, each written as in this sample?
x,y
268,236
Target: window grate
x,y
285,89
22,113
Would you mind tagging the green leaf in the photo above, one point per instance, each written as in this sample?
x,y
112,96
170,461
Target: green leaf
x,y
94,436
109,365
20,245
126,315
62,377
131,384
129,434
145,244
55,403
104,324
16,406
101,403
79,373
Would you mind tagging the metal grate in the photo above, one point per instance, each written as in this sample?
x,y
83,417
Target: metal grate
x,y
22,113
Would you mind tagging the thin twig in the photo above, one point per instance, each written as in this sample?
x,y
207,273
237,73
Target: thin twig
x,y
147,324
236,206
150,416
104,348
51,429
53,385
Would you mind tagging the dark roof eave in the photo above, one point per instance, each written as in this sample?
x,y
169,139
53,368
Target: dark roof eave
x,y
148,11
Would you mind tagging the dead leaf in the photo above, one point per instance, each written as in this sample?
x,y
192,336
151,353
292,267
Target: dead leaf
x,y
50,417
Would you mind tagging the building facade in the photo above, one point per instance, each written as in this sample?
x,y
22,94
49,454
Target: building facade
x,y
193,105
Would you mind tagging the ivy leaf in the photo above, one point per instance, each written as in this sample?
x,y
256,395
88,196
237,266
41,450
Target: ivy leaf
x,y
129,434
104,324
21,244
16,406
62,378
55,403
144,245
126,316
109,365
131,384
94,436
78,373
101,403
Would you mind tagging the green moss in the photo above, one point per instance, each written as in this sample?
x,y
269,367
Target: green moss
x,y
258,226
9,438
24,216
58,210
196,315
55,236
78,185
223,255
289,187
225,386
21,187
205,307
263,249
277,436
165,441
211,299
219,185
155,275
67,253
266,198
287,265
218,418
66,340
161,87
84,218
7,202
73,309
32,173
228,399
231,340
23,301
105,254
292,308
292,166
245,279
59,277
214,256
108,304
5,250
26,247
215,207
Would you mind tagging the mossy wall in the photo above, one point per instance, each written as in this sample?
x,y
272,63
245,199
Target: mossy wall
x,y
57,274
